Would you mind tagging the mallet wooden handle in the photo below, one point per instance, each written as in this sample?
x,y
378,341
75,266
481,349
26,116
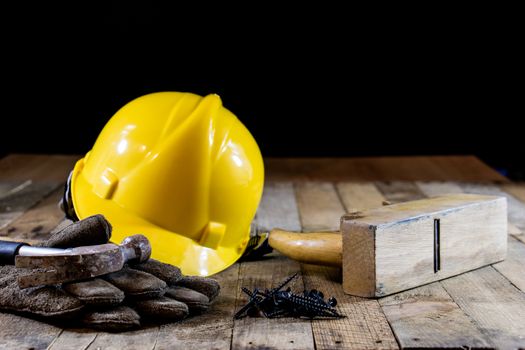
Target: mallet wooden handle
x,y
319,248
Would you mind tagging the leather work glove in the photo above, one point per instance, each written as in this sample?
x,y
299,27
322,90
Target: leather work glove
x,y
150,292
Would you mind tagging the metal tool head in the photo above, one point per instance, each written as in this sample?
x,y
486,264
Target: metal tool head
x,y
81,263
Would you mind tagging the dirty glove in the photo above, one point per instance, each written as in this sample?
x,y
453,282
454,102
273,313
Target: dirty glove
x,y
151,291
51,301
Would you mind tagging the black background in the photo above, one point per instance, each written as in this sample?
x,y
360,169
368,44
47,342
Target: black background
x,y
306,81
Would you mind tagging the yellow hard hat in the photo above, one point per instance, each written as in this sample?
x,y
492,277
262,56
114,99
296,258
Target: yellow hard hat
x,y
180,169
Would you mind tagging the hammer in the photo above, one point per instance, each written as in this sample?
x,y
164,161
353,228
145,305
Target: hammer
x,y
54,265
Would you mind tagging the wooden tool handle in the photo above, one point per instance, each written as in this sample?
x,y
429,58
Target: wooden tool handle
x,y
319,248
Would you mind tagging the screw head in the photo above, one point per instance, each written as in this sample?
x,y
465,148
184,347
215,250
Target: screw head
x,y
314,293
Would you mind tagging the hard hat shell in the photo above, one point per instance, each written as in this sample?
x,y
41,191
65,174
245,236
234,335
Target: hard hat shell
x,y
180,169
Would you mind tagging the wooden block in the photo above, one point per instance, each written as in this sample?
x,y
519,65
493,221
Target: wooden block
x,y
401,246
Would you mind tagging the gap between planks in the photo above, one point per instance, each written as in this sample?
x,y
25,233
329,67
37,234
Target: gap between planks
x,y
37,222
277,209
365,325
427,316
21,193
491,296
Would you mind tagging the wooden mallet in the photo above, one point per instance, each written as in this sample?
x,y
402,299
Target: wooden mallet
x,y
400,246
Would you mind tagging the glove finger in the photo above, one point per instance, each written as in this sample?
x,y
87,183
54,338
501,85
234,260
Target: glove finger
x,y
166,272
95,292
137,284
162,307
43,301
89,231
204,285
197,302
115,319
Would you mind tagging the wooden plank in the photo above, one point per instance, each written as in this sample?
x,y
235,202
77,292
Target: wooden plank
x,y
320,207
38,168
399,191
134,340
365,326
37,222
144,338
7,186
515,189
359,195
279,333
422,168
78,339
211,330
496,306
21,198
277,209
427,317
512,266
17,332
424,329
438,188
484,294
516,209
520,237
466,169
514,230
39,175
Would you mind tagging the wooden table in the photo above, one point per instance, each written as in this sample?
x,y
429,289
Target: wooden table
x,y
483,308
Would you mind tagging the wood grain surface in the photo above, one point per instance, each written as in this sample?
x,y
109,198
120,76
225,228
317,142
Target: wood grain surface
x,y
255,333
484,308
365,326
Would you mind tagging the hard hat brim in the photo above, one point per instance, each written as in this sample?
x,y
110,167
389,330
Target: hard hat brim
x,y
168,247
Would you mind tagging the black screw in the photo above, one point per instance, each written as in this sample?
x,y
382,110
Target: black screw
x,y
284,283
254,300
281,303
332,302
310,304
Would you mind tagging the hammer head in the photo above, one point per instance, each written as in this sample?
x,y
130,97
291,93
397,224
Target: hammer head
x,y
400,246
81,263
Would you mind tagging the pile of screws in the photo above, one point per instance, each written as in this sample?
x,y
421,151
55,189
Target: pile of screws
x,y
283,303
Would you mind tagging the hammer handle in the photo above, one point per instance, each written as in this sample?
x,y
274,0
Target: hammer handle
x,y
319,248
8,251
